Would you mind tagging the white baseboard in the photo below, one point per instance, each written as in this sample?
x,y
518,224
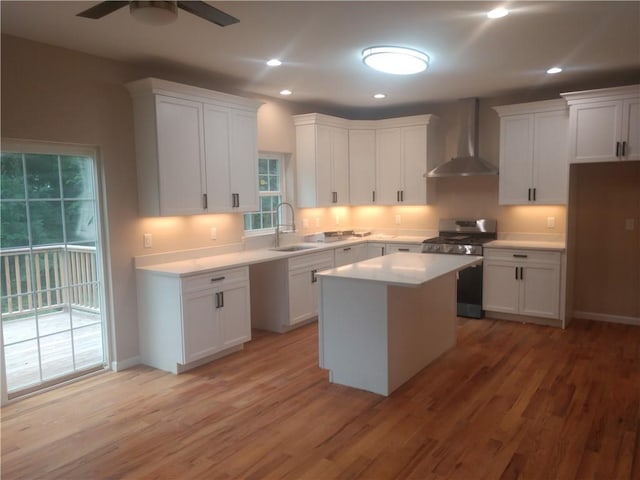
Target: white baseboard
x,y
124,364
603,317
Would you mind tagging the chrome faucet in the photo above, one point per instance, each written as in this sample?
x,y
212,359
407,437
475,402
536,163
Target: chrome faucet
x,y
292,225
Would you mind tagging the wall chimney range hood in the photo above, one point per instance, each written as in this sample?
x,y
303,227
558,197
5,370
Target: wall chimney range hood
x,y
466,162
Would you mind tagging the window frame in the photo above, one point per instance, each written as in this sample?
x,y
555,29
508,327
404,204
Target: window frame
x,y
281,158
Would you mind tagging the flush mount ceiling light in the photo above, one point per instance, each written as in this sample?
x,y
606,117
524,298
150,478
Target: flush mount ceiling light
x,y
285,92
395,60
553,70
380,96
498,12
154,13
274,62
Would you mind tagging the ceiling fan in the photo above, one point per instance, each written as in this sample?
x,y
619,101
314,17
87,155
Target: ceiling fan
x,y
161,12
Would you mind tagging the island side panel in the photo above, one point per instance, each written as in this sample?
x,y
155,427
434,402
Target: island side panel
x,y
422,326
353,333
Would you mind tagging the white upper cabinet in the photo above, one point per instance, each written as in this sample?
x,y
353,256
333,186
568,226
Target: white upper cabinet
x,y
365,162
406,149
196,150
604,124
322,161
362,166
534,153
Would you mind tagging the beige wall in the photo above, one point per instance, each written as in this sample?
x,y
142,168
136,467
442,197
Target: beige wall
x,y
57,95
606,254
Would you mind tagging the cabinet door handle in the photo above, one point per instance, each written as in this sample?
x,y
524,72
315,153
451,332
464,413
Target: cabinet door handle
x,y
516,269
529,195
520,255
397,195
204,201
217,299
314,279
617,149
521,273
534,194
373,196
624,148
217,279
402,195
221,299
334,197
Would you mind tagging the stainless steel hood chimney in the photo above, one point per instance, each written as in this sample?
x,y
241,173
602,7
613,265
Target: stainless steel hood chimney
x,y
467,162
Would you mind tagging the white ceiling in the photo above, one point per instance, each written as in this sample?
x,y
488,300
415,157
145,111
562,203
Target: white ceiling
x,y
320,45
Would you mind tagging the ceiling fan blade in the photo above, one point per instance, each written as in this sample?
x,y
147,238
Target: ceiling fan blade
x,y
206,11
102,9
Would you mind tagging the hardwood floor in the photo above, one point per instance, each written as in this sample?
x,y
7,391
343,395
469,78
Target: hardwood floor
x,y
510,401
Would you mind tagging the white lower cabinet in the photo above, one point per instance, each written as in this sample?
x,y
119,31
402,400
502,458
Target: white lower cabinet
x,y
350,254
285,292
303,285
403,247
186,320
376,250
522,282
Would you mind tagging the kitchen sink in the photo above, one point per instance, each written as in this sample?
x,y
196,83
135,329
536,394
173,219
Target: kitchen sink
x,y
293,248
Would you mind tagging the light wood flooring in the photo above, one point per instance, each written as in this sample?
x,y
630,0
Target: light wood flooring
x,y
510,401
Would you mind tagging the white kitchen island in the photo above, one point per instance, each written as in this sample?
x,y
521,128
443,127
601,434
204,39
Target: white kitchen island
x,y
383,320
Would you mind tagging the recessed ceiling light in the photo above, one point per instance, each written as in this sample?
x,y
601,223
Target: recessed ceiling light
x,y
274,62
498,12
380,95
285,92
553,70
395,60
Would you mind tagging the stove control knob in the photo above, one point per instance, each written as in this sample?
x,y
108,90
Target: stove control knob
x,y
446,248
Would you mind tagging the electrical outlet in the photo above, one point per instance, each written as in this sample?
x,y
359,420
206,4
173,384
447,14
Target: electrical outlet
x,y
305,223
551,222
398,219
147,241
213,233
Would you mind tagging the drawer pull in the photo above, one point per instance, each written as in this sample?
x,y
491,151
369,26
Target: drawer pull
x,y
404,250
346,249
217,279
520,255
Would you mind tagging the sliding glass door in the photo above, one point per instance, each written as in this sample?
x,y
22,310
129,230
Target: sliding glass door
x,y
50,275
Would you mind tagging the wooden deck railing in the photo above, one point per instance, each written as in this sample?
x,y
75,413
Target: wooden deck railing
x,y
50,277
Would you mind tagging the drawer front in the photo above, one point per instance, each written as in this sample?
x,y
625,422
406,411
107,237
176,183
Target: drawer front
x,y
522,255
403,247
215,278
310,259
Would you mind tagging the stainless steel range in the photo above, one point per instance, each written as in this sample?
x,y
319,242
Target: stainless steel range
x,y
464,237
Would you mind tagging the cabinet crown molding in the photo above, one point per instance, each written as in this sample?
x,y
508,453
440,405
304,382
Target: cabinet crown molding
x,y
158,86
314,118
532,107
602,94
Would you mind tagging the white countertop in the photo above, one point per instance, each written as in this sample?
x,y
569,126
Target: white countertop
x,y
527,244
403,269
248,257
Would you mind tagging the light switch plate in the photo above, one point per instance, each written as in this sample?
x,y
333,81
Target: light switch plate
x,y
147,240
630,224
551,222
398,219
213,233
